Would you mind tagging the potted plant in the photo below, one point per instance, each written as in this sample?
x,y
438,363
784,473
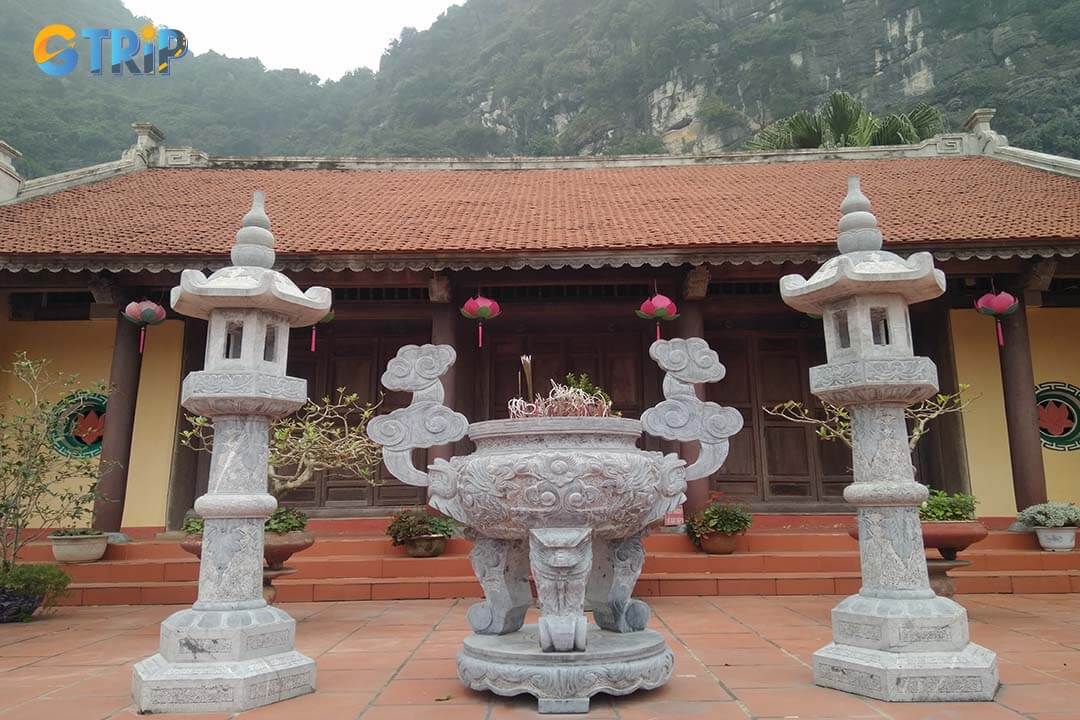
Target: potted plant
x,y
78,545
25,588
948,521
1054,523
422,534
326,435
949,524
48,475
716,528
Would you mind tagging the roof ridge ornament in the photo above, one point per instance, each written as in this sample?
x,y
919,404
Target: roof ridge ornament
x,y
254,242
858,228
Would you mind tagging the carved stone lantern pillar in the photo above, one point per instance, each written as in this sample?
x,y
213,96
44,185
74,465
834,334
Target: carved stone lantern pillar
x,y
231,651
895,640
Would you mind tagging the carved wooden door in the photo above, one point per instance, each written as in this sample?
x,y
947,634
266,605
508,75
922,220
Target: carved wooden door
x,y
353,356
772,460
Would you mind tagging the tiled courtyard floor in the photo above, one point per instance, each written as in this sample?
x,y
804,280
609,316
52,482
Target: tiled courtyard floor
x,y
735,657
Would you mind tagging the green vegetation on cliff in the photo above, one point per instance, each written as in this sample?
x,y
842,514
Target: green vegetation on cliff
x,y
548,77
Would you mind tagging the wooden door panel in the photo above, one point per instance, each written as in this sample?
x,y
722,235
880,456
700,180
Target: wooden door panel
x,y
787,452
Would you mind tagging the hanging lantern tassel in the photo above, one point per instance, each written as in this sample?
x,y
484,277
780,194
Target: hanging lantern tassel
x,y
658,307
997,306
143,313
326,319
481,309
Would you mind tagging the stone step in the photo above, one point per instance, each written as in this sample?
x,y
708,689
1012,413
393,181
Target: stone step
x,y
755,541
311,565
293,589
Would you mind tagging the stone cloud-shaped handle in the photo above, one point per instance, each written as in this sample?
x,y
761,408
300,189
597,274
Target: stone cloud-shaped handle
x,y
426,421
682,415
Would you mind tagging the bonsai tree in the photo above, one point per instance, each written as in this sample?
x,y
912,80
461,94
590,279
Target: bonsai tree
x,y
282,520
1050,515
834,422
423,535
327,435
410,524
40,487
718,517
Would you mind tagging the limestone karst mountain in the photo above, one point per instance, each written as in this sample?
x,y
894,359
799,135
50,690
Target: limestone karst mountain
x,y
547,77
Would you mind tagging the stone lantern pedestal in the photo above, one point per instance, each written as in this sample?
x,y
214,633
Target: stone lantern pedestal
x,y
231,651
895,640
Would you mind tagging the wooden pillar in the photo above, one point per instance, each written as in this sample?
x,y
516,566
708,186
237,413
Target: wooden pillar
x,y
119,426
444,331
941,461
1021,413
183,477
691,323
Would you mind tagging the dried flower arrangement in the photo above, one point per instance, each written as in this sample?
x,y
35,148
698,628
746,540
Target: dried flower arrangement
x,y
577,397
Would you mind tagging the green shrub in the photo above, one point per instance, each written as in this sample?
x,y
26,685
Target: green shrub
x,y
943,506
718,517
46,581
282,520
716,114
1050,514
417,523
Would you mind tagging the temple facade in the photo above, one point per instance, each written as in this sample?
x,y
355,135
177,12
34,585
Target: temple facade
x,y
569,247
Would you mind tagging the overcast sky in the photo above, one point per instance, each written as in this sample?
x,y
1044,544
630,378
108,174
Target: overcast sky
x,y
323,37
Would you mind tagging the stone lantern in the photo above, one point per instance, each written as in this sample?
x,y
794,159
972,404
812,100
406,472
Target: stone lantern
x,y
231,651
895,640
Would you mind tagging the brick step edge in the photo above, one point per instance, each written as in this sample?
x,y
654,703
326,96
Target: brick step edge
x,y
314,567
650,585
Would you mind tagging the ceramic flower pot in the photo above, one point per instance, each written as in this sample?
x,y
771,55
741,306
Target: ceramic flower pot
x,y
948,537
1058,539
719,543
425,546
277,547
79,548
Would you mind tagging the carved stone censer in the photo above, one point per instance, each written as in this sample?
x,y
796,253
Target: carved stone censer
x,y
569,498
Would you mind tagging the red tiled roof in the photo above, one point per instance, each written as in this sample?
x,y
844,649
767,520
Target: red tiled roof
x,y
182,212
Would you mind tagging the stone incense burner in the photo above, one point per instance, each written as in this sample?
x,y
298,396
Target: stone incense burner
x,y
569,499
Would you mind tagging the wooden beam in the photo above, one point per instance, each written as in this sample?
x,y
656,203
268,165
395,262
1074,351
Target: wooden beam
x,y
695,284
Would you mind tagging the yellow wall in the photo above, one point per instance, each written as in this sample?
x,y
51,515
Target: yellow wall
x,y
155,426
85,348
1055,345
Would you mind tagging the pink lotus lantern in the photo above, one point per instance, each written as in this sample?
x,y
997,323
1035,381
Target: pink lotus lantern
x,y
997,305
480,308
143,313
658,307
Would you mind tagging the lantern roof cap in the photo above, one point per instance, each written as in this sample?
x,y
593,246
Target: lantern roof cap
x,y
862,267
251,282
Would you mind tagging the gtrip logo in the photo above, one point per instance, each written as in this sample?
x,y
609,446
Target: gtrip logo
x,y
149,51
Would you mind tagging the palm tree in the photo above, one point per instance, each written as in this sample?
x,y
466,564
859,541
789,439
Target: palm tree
x,y
843,121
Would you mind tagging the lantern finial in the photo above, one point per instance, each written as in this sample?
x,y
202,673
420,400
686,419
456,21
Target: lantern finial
x,y
858,228
254,242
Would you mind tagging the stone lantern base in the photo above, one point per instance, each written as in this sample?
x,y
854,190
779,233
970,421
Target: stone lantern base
x,y
968,675
613,663
905,650
228,661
